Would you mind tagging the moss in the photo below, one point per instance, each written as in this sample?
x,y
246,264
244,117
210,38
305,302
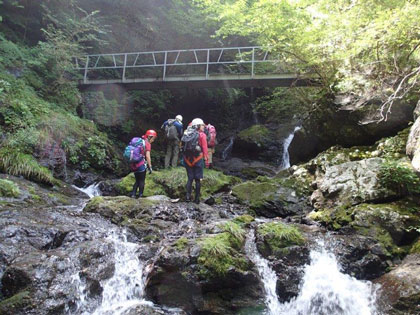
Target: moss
x,y
8,189
16,303
218,255
150,238
278,236
181,243
256,194
415,249
377,221
236,234
171,182
245,219
256,134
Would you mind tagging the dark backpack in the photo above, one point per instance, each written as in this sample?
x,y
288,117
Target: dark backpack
x,y
189,141
134,152
170,130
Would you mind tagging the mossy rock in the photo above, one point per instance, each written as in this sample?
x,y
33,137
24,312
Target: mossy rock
x,y
8,189
415,249
268,198
255,134
15,304
122,209
390,223
255,194
172,182
277,237
221,252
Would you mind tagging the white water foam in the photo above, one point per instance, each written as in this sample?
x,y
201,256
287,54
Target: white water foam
x,y
268,276
285,160
324,290
92,190
126,288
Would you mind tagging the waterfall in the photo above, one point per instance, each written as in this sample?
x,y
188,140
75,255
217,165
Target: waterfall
x,y
268,276
226,151
92,190
126,288
285,160
324,288
254,114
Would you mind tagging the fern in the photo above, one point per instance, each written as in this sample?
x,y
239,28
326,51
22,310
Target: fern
x,y
20,164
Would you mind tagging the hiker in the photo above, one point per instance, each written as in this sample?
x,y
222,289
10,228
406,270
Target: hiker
x,y
194,148
210,131
173,133
139,168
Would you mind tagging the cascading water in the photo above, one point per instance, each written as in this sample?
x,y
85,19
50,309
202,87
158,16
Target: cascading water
x,y
228,149
285,160
92,190
125,289
324,289
268,276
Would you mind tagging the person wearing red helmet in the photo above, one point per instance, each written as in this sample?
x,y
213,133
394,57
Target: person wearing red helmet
x,y
140,171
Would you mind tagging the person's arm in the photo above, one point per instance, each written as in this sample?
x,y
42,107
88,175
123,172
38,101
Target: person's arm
x,y
203,140
149,160
148,157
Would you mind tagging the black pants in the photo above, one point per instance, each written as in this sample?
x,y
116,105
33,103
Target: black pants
x,y
140,180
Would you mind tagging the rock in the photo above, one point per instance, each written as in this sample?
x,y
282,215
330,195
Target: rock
x,y
354,182
340,124
400,288
269,199
413,145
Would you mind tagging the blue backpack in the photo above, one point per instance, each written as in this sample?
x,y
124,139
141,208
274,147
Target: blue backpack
x,y
134,152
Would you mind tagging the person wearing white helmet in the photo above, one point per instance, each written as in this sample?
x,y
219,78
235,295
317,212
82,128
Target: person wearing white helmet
x,y
173,132
194,145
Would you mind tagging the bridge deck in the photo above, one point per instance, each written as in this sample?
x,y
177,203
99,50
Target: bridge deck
x,y
213,81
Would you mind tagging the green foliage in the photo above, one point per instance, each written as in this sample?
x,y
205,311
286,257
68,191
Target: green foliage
x,y
399,177
171,182
375,50
255,133
8,189
217,255
181,243
16,163
278,236
237,233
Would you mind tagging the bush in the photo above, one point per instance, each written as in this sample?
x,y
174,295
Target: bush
x,y
20,164
399,177
8,189
278,236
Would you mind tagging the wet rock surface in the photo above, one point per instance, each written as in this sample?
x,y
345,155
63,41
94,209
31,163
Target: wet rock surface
x,y
55,251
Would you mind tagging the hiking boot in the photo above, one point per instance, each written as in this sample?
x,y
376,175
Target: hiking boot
x,y
188,198
132,195
197,199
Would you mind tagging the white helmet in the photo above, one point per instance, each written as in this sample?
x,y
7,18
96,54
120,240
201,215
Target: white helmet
x,y
197,122
179,118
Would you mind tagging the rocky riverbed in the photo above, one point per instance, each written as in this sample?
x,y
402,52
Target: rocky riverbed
x,y
61,252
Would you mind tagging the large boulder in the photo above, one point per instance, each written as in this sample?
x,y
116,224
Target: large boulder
x,y
345,122
400,288
353,183
413,145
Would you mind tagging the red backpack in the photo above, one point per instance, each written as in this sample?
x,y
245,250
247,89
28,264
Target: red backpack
x,y
211,136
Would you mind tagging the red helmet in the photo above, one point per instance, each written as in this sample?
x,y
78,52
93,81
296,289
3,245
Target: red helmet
x,y
151,133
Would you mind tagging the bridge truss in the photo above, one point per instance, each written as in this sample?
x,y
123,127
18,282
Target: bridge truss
x,y
211,67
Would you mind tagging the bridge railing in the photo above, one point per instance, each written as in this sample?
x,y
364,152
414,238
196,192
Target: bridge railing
x,y
161,65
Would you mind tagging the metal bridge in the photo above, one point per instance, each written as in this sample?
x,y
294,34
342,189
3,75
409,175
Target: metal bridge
x,y
193,68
